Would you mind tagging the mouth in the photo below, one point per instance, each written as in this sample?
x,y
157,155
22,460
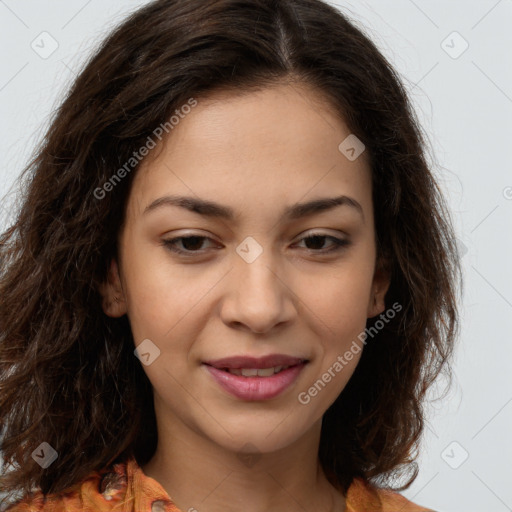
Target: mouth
x,y
256,372
256,363
250,378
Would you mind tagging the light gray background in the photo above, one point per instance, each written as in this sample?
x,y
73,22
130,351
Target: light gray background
x,y
465,104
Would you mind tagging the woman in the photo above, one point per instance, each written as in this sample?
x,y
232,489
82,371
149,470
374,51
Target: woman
x,y
174,336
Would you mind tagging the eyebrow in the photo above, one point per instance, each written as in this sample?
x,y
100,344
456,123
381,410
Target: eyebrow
x,y
293,212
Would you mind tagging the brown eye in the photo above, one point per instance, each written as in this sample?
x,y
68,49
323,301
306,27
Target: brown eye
x,y
317,241
191,244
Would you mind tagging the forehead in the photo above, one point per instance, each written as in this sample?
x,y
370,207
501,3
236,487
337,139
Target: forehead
x,y
279,144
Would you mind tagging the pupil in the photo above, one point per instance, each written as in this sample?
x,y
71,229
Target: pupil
x,y
190,241
315,238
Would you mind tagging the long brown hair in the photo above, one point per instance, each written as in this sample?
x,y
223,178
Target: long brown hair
x,y
68,375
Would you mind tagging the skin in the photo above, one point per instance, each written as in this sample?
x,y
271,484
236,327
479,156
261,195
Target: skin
x,y
257,154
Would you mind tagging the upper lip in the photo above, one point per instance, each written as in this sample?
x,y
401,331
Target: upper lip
x,y
256,362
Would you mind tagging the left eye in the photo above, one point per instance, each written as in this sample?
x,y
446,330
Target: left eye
x,y
193,243
338,243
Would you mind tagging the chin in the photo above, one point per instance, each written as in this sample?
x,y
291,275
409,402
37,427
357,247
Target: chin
x,y
263,434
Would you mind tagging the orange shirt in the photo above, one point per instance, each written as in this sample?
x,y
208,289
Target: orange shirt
x,y
126,488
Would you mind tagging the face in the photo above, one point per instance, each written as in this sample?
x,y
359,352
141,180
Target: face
x,y
255,282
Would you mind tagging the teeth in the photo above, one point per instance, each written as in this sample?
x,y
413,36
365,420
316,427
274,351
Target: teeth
x,y
250,372
253,372
267,372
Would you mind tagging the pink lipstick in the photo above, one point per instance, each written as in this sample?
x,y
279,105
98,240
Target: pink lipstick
x,y
256,378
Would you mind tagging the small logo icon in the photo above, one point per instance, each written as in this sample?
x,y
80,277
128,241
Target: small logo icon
x,y
461,247
507,193
249,249
45,45
454,45
158,506
147,352
249,455
454,455
352,147
44,455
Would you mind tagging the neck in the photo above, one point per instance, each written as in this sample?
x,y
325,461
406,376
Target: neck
x,y
201,476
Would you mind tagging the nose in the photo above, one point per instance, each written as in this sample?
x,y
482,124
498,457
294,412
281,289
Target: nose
x,y
257,295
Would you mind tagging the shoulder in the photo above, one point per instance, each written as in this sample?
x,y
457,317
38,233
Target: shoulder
x,y
93,493
363,496
122,486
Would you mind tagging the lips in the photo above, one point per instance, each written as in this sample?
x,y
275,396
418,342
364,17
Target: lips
x,y
256,378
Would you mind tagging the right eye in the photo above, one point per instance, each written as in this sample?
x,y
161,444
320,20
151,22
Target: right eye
x,y
192,242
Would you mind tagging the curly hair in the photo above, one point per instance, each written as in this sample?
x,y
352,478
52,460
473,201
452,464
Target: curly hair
x,y
68,375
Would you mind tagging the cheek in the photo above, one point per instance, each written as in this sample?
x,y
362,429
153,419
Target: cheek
x,y
167,304
337,309
157,297
339,315
339,298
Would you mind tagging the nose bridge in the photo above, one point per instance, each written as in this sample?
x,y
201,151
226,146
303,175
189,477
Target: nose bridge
x,y
256,267
259,297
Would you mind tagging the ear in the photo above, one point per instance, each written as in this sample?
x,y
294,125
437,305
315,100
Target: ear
x,y
380,286
114,301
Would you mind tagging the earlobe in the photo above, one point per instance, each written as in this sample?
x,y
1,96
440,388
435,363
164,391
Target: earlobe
x,y
113,299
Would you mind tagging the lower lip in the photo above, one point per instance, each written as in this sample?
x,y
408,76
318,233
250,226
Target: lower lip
x,y
256,388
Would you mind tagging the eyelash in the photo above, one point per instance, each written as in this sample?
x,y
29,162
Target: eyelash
x,y
339,244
